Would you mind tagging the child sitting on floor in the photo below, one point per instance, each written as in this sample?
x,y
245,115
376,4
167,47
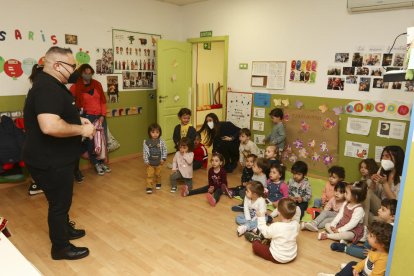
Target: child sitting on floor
x,y
283,233
260,166
379,238
385,214
336,175
246,146
348,223
217,182
182,165
253,203
200,154
299,187
246,177
330,210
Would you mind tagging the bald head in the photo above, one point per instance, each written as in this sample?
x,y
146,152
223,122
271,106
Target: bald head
x,y
60,63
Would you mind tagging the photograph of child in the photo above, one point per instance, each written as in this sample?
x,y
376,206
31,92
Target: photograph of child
x,y
364,84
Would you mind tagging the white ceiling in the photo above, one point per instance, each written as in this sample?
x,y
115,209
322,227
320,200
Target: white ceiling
x,y
181,2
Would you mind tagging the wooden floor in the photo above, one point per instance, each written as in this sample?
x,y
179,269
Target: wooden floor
x,y
131,233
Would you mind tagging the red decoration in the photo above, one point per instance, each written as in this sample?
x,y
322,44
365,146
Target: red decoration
x,y
13,68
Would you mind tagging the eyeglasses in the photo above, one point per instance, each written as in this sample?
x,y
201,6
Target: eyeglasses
x,y
71,65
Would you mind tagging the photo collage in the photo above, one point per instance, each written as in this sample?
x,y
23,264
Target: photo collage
x,y
365,70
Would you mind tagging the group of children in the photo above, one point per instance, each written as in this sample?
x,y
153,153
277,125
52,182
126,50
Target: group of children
x,y
266,195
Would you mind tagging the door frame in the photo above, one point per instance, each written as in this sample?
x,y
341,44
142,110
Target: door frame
x,y
225,40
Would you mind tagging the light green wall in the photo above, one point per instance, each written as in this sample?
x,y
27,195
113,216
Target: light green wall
x,y
402,263
130,130
350,164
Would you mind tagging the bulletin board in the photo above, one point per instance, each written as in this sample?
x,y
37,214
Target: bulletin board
x,y
305,104
268,74
311,136
239,108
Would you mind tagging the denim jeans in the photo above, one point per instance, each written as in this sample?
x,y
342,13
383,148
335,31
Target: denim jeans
x,y
357,250
251,224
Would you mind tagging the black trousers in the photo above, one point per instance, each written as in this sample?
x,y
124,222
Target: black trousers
x,y
303,206
230,152
57,184
217,193
347,270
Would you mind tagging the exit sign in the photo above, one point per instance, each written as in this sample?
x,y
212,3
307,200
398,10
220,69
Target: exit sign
x,y
206,34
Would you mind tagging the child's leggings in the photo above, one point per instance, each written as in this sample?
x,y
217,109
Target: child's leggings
x,y
349,236
217,193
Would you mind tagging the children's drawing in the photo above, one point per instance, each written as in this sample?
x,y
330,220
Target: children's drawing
x,y
298,143
327,159
324,147
303,153
293,158
329,124
362,154
316,157
311,144
277,102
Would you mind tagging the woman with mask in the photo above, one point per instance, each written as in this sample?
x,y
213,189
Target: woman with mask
x,y
91,100
224,136
386,182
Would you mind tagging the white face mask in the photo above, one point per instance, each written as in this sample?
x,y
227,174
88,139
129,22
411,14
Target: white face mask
x,y
210,124
387,165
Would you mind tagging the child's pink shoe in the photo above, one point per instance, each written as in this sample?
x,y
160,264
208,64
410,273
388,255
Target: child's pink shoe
x,y
184,190
211,199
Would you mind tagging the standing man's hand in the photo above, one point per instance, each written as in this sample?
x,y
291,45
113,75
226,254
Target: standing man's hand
x,y
88,130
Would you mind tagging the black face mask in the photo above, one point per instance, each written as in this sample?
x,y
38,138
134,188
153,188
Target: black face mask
x,y
74,77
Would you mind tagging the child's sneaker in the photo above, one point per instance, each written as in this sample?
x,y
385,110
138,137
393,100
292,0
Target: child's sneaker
x,y
343,265
34,189
79,176
338,247
173,189
311,226
322,236
99,169
241,229
105,168
250,236
226,190
184,190
158,186
302,225
211,199
149,191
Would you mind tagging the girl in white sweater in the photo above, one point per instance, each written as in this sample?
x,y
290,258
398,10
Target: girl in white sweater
x,y
253,203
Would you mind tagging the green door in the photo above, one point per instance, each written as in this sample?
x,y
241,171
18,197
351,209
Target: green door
x,y
174,85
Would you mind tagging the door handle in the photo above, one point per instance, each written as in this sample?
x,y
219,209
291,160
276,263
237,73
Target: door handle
x,y
162,97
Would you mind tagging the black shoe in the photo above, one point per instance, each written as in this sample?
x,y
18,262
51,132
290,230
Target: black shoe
x,y
70,252
75,233
238,208
34,189
338,247
79,176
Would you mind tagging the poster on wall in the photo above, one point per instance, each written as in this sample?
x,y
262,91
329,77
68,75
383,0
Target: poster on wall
x,y
312,137
268,74
112,89
356,149
104,61
135,52
303,71
358,126
391,129
137,80
239,108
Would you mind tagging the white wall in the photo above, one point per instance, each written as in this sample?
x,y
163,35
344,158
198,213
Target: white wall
x,y
91,21
297,29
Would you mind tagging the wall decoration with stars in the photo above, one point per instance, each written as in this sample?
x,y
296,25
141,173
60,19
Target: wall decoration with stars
x,y
239,108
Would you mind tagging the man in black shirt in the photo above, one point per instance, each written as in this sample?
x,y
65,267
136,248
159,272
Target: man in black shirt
x,y
54,130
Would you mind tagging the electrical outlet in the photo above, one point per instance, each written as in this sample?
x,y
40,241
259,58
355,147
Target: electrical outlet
x,y
243,66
